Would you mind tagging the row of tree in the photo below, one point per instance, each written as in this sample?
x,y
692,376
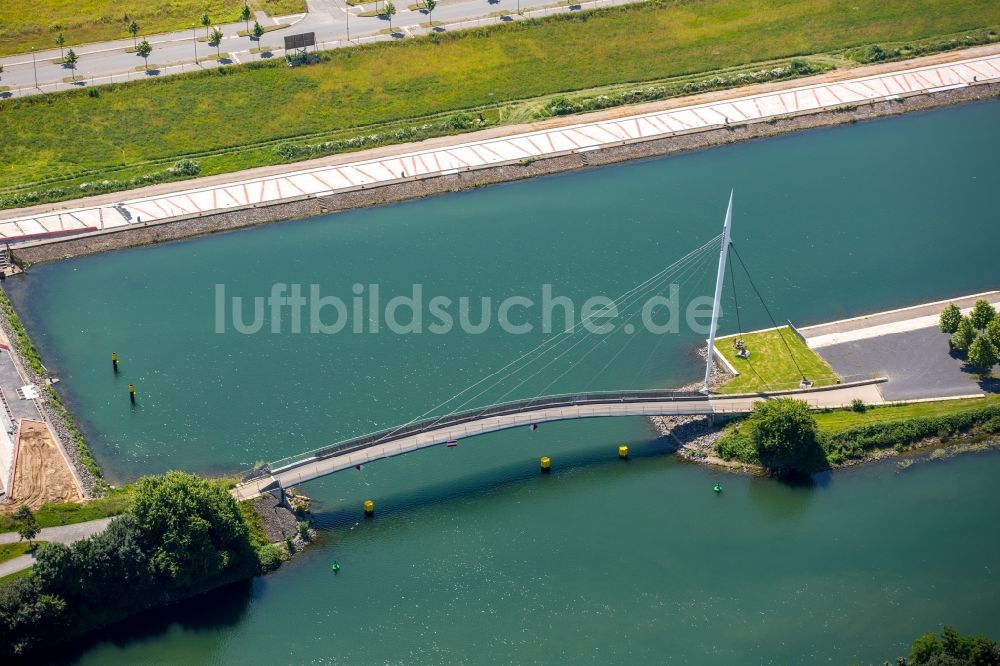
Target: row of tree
x,y
144,48
976,335
181,536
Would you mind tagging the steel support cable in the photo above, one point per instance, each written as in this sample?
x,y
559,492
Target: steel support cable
x,y
736,305
767,310
659,343
635,295
536,349
682,279
695,259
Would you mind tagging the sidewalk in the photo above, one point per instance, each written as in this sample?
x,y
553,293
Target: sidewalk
x,y
62,534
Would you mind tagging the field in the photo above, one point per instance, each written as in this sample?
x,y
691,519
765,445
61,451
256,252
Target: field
x,y
238,117
839,420
770,367
86,21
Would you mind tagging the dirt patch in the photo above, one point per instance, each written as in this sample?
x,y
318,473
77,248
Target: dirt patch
x,y
41,473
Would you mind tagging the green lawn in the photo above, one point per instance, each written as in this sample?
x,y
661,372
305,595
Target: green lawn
x,y
770,366
9,551
235,118
86,21
843,419
52,515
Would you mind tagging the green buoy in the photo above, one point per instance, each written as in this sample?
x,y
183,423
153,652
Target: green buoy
x,y
335,567
718,488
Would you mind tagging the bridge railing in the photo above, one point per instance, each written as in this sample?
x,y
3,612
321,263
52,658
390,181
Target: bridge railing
x,y
515,407
502,409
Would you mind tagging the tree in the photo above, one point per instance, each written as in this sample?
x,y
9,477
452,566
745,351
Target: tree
x,y
205,21
61,42
952,649
389,10
258,30
216,39
71,59
430,5
27,526
784,435
951,316
982,354
245,14
190,529
144,49
993,332
982,314
133,29
963,335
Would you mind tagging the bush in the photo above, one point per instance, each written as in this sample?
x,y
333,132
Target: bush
x,y
735,445
855,443
858,405
784,434
269,557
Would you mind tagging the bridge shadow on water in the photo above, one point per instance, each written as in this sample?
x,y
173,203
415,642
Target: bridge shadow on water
x,y
507,476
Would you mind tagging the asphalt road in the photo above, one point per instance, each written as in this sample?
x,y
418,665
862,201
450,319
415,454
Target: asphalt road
x,y
918,364
331,20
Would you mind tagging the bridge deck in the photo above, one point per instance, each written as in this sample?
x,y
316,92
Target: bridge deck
x,y
367,449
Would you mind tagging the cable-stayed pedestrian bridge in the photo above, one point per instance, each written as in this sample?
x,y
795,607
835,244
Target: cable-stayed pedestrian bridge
x,y
526,413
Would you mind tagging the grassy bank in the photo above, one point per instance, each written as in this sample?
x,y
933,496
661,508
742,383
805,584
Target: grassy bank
x,y
847,435
69,513
9,551
86,21
264,113
778,360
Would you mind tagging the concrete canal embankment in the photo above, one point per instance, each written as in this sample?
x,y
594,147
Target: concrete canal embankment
x,y
473,163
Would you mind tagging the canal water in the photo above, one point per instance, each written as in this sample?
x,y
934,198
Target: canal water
x,y
474,557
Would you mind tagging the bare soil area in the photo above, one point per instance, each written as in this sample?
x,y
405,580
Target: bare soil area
x,y
41,473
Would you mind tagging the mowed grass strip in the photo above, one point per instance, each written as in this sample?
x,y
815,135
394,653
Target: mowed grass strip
x,y
236,110
770,366
838,420
25,25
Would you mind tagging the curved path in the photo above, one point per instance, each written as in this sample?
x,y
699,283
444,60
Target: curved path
x,y
433,432
59,534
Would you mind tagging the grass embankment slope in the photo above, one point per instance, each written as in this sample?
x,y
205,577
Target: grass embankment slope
x,y
778,359
24,25
235,118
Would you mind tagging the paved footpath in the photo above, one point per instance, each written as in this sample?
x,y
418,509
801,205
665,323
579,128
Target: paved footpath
x,y
329,180
879,324
334,23
61,534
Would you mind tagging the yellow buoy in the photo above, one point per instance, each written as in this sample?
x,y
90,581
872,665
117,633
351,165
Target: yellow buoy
x,y
546,464
623,451
369,508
